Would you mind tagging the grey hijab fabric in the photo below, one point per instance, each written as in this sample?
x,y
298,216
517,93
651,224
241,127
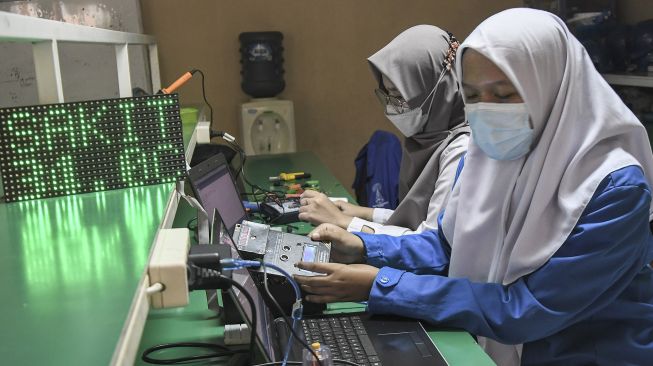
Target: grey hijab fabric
x,y
413,62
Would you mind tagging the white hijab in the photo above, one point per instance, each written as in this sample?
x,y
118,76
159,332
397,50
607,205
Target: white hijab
x,y
505,219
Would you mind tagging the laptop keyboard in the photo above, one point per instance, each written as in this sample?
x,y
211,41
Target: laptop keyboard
x,y
345,336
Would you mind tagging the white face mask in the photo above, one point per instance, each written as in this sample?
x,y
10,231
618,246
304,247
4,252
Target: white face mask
x,y
409,123
501,130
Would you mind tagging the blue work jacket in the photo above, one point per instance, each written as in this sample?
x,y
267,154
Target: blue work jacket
x,y
590,304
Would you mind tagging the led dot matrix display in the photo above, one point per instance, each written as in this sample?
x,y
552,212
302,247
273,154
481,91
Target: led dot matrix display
x,y
69,148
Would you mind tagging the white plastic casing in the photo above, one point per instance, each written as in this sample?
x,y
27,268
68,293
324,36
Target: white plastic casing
x,y
258,125
168,267
203,131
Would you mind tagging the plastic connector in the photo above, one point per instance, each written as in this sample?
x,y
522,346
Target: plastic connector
x,y
203,132
168,268
236,334
228,137
233,264
297,310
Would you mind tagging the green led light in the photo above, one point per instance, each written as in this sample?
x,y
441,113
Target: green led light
x,y
70,133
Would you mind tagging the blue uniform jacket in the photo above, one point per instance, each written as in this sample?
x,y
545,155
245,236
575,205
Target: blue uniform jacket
x,y
590,304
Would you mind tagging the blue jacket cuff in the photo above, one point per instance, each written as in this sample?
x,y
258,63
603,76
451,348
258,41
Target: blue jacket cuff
x,y
373,249
385,281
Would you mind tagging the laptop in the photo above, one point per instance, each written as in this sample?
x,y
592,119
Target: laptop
x,y
357,337
212,184
215,189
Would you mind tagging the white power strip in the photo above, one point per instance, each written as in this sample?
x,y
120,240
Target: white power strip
x,y
168,268
203,131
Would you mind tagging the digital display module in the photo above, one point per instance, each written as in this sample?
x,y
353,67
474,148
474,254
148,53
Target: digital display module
x,y
69,148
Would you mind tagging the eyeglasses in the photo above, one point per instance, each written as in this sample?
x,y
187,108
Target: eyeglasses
x,y
398,104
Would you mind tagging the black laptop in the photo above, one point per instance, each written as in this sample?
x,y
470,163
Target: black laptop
x,y
356,337
215,189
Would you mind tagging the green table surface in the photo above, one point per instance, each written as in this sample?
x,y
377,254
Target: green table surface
x,y
196,323
69,269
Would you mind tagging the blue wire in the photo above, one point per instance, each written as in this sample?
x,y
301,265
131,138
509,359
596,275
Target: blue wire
x,y
231,263
296,314
294,320
298,293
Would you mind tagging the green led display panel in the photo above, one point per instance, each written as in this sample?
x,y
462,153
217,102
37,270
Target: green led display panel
x,y
63,149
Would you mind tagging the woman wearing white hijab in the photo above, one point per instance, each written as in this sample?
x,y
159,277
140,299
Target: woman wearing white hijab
x,y
544,245
421,97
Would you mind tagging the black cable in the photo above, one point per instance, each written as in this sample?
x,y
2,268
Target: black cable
x,y
204,93
193,228
252,338
180,360
183,360
243,159
190,226
285,318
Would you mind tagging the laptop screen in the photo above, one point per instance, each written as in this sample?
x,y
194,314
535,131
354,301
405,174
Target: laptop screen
x,y
215,189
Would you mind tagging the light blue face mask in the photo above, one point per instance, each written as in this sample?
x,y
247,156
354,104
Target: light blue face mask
x,y
501,130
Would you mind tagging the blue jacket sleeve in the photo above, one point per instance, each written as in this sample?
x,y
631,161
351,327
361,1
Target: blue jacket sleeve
x,y
600,258
419,253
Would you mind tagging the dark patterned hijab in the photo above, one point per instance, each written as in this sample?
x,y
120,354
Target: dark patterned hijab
x,y
414,61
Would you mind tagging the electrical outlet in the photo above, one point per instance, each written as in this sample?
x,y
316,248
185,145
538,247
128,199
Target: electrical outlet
x,y
168,267
268,127
270,134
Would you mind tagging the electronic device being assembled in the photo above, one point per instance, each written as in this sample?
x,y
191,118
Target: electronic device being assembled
x,y
69,148
258,241
278,214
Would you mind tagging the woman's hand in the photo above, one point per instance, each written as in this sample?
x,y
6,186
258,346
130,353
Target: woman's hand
x,y
316,208
351,210
345,246
343,282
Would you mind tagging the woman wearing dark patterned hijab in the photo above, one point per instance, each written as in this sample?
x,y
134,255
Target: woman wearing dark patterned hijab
x,y
420,95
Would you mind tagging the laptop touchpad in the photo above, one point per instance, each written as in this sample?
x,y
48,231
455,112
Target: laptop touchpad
x,y
401,347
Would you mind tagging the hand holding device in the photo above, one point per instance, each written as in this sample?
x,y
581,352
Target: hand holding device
x,y
345,246
343,282
316,208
